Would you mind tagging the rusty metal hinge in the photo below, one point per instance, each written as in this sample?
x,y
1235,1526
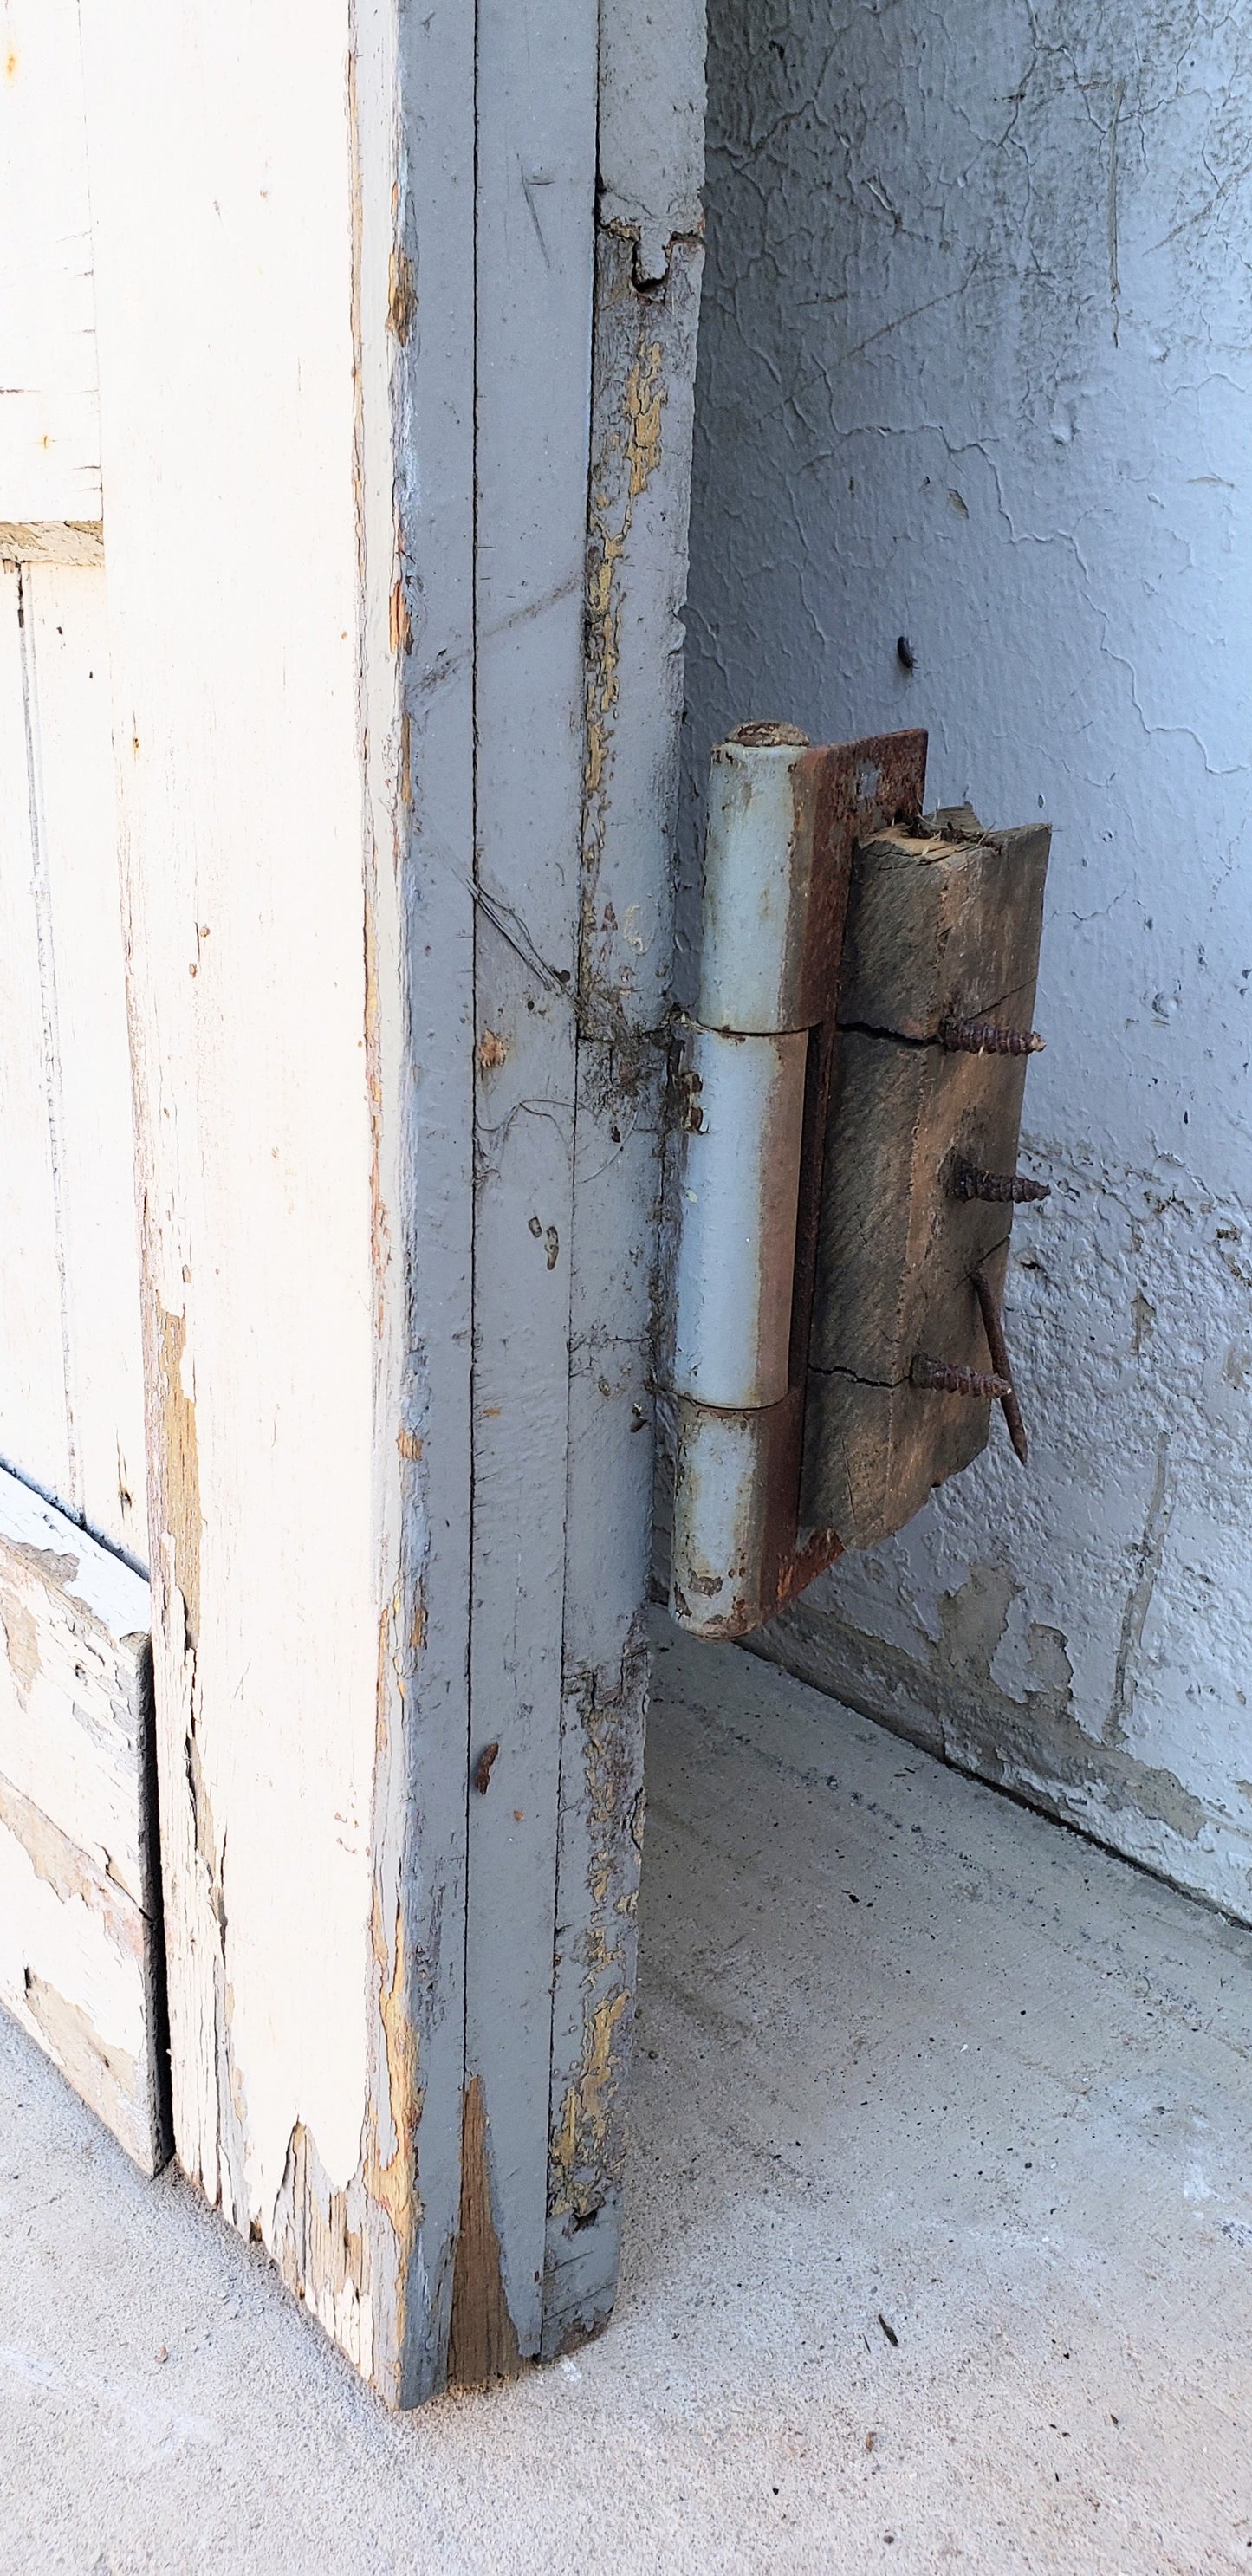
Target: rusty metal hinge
x,y
849,1099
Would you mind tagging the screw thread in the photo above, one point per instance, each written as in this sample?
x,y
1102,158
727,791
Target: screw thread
x,y
986,1037
947,1379
1013,1187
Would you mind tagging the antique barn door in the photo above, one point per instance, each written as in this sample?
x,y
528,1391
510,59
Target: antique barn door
x,y
78,1947
394,425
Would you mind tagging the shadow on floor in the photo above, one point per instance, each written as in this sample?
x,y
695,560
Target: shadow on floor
x,y
938,2236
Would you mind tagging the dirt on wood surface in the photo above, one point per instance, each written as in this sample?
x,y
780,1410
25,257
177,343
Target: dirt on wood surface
x,y
938,2252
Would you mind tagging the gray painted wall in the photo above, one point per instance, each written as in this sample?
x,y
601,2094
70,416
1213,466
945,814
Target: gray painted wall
x,y
976,366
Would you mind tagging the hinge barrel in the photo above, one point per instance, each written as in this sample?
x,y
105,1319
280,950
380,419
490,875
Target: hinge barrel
x,y
743,1115
754,1093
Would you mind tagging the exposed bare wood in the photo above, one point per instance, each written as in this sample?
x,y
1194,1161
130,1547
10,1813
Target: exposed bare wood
x,y
937,926
482,2345
52,541
79,1926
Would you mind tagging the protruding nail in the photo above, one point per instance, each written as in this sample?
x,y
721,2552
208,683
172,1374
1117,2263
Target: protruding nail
x,y
986,1037
970,1183
947,1379
994,1330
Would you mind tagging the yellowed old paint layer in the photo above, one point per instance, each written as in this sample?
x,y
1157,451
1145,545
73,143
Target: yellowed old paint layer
x,y
393,2185
639,448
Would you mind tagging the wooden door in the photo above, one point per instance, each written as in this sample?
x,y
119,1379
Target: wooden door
x,y
397,852
78,1906
392,476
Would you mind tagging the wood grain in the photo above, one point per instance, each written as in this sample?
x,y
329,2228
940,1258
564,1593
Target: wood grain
x,y
936,928
943,927
482,2343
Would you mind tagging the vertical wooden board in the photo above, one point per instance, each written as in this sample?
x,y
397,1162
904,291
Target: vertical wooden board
x,y
34,1425
246,601
420,1804
72,748
639,478
79,1936
49,426
535,212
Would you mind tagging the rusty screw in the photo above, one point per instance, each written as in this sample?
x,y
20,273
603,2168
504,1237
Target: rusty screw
x,y
947,1379
986,1037
994,1330
970,1183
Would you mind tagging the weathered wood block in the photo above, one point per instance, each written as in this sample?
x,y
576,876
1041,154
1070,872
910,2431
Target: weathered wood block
x,y
79,1936
943,927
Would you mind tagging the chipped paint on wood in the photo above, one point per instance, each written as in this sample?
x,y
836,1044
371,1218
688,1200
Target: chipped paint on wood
x,y
602,1807
483,2346
283,1228
306,1119
71,1873
636,562
581,2153
178,1470
401,294
79,1947
392,2183
99,2070
640,455
321,2243
52,541
644,368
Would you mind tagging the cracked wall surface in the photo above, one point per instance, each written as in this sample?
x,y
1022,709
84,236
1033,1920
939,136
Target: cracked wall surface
x,y
975,369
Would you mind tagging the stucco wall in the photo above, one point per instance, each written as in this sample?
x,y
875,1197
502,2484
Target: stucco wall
x,y
976,368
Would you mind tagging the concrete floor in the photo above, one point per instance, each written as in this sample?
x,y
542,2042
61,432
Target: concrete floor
x,y
939,2240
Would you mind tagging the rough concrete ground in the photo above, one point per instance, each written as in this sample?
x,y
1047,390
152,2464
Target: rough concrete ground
x,y
939,2245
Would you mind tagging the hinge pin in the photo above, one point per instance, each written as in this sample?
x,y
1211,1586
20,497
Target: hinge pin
x,y
947,1379
970,1183
986,1037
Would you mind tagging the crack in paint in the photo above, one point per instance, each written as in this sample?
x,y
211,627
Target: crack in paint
x,y
1149,1553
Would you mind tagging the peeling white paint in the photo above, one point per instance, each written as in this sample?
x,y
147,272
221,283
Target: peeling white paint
x,y
975,370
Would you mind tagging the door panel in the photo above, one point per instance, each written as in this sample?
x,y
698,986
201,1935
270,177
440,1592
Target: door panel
x,y
71,1400
79,1934
34,1428
49,414
80,1945
68,695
